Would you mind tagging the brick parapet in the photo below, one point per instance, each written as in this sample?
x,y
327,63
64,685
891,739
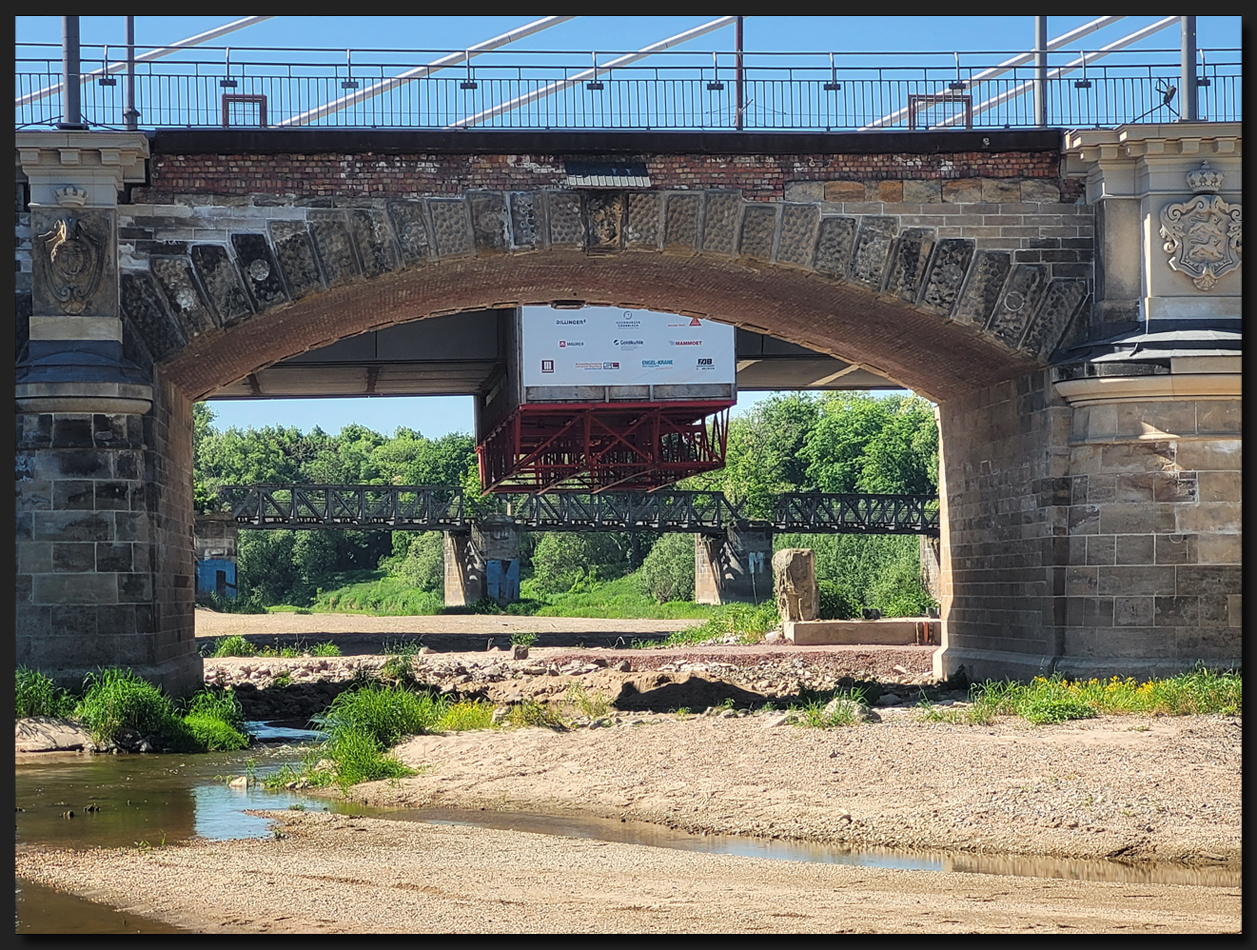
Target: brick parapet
x,y
881,176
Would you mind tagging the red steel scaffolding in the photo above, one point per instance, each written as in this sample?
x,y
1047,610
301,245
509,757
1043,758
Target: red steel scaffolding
x,y
593,447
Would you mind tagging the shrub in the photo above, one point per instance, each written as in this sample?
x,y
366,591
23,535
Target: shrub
x,y
424,563
117,699
36,695
834,602
667,572
562,561
234,645
325,649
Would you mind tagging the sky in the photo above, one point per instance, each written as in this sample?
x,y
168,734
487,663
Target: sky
x,y
436,416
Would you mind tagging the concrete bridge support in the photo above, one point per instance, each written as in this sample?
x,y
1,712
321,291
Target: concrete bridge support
x,y
483,563
104,451
736,568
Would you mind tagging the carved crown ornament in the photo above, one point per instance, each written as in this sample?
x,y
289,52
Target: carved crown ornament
x,y
1203,235
75,263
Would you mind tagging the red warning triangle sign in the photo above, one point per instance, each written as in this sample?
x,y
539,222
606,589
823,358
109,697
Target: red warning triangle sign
x,y
695,322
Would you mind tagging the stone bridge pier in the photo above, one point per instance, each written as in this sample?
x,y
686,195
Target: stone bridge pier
x,y
1070,301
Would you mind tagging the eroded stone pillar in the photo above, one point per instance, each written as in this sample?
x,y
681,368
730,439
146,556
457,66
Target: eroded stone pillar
x,y
104,549
736,568
483,563
464,571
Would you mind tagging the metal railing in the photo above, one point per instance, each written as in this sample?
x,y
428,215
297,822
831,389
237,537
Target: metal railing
x,y
253,87
438,508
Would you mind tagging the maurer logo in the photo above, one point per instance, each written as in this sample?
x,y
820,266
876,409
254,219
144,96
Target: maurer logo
x,y
563,344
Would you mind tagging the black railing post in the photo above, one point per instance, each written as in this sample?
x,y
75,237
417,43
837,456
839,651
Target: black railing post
x,y
71,101
1190,112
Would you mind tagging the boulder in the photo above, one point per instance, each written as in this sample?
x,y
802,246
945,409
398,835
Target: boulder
x,y
794,582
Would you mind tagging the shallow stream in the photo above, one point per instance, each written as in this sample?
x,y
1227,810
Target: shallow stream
x,y
147,800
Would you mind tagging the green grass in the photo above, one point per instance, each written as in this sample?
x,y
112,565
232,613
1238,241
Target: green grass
x,y
117,699
36,695
1057,699
530,712
233,646
591,705
379,595
812,712
325,649
749,622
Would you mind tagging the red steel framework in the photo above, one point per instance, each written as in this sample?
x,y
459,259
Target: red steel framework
x,y
593,447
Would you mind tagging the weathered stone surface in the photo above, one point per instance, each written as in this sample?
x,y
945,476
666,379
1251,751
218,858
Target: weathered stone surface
x,y
805,191
488,221
962,191
1023,291
375,245
890,192
451,229
872,247
681,221
997,191
566,225
947,273
1061,302
334,247
720,222
922,192
794,583
844,191
527,219
1037,191
908,261
74,263
604,220
174,276
294,252
645,218
410,227
143,309
759,224
982,288
261,273
797,241
833,245
221,281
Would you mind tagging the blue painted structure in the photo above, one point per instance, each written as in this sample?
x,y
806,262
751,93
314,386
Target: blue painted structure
x,y
218,576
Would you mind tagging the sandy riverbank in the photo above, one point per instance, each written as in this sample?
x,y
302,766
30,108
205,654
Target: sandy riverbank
x,y
1130,788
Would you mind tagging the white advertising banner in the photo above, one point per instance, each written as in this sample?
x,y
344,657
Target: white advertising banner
x,y
609,346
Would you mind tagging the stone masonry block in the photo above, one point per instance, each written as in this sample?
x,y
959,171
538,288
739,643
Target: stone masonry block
x,y
604,220
65,526
982,288
567,227
962,191
1037,191
1023,291
797,241
218,275
1101,549
844,191
1220,548
1133,611
113,557
887,192
74,589
923,192
720,222
334,247
451,227
681,221
1137,519
873,243
759,224
143,308
1148,456
996,190
834,242
76,557
645,219
527,219
489,222
1210,517
1215,486
187,304
410,225
373,240
908,261
948,268
1136,548
1122,581
294,253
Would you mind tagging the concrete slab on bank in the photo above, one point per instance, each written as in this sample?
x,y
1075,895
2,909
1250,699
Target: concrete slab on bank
x,y
898,631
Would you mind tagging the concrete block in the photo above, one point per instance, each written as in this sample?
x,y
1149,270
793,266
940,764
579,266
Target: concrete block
x,y
898,631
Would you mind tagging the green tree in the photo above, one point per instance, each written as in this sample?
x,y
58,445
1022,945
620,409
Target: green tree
x,y
562,559
667,572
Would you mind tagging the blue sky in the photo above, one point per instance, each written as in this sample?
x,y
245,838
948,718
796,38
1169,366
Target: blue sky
x,y
435,416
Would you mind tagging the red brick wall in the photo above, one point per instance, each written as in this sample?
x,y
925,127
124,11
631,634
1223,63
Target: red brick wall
x,y
758,177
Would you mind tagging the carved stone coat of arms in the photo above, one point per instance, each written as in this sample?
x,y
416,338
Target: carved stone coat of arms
x,y
1204,234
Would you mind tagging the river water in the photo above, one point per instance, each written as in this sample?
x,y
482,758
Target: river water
x,y
147,800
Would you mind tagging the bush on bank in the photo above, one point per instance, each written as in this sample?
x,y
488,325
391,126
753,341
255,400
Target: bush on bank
x,y
115,704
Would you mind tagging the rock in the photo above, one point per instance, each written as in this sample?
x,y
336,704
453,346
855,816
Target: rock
x,y
240,781
47,734
624,666
794,582
888,699
425,650
774,720
519,651
857,711
499,715
774,636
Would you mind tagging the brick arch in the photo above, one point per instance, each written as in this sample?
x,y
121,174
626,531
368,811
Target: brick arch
x,y
939,314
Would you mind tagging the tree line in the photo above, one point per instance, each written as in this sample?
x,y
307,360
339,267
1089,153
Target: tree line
x,y
832,442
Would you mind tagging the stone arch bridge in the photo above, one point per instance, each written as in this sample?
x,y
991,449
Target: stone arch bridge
x,y
1070,301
